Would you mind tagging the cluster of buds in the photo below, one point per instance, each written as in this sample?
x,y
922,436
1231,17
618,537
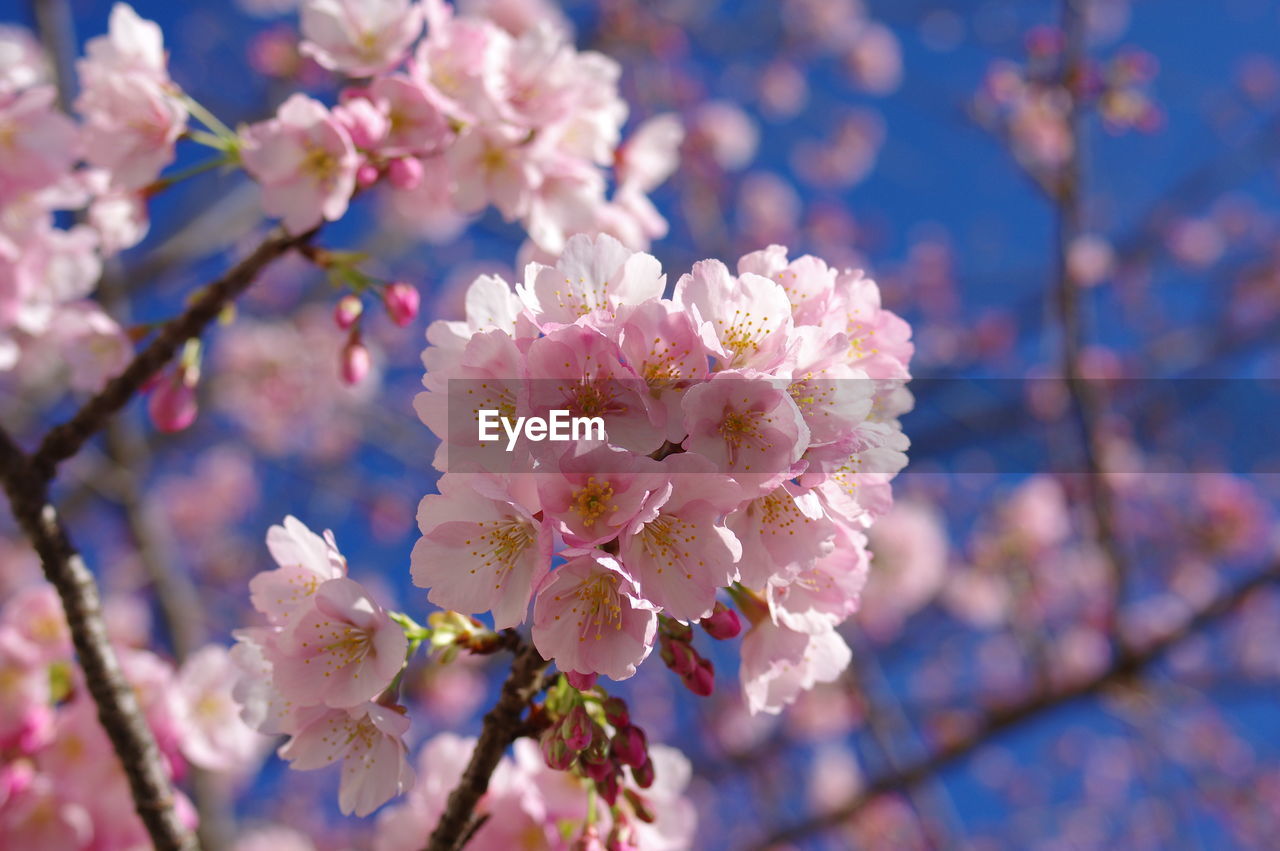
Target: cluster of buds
x,y
590,734
675,644
399,298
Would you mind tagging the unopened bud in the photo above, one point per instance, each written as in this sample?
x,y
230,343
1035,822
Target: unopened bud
x,y
366,175
347,311
356,362
589,840
702,680
581,682
577,728
555,752
615,712
722,623
172,404
679,657
401,301
405,173
643,774
608,788
629,746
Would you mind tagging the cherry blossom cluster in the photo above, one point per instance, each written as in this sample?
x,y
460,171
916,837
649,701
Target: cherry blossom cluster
x,y
323,667
130,115
465,117
61,785
1029,104
752,434
325,670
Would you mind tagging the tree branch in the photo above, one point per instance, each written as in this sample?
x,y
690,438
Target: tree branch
x,y
1130,663
118,709
63,441
1085,401
502,726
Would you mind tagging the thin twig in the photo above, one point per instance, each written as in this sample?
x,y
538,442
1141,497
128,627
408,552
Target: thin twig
x,y
63,441
1129,664
118,709
1085,401
502,725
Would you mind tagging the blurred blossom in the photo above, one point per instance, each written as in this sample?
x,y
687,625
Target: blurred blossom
x,y
834,777
727,132
279,382
847,157
1198,243
769,208
874,60
784,93
1090,259
908,566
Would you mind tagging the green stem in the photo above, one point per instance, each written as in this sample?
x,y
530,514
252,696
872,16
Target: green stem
x,y
207,118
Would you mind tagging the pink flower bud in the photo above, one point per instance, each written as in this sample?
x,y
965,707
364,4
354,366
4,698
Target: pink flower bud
x,y
589,840
405,173
608,788
597,770
615,712
581,682
678,656
172,404
367,175
629,746
722,623
355,362
347,311
702,680
643,774
555,752
576,728
402,302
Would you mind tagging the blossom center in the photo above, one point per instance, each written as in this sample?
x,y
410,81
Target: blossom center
x,y
593,500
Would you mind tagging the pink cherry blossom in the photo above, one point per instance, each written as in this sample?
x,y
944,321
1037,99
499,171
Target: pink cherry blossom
x,y
305,162
342,649
593,496
368,739
661,345
588,617
481,548
35,614
750,316
579,369
778,663
592,279
493,166
783,532
305,559
675,548
213,734
23,63
41,816
908,566
359,37
24,693
415,124
130,107
747,425
38,144
826,594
